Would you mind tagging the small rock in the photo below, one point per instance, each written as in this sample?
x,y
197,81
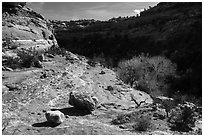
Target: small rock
x,y
102,72
44,75
55,117
122,126
66,116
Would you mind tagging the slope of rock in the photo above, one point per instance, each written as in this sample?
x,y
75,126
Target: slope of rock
x,y
27,96
24,28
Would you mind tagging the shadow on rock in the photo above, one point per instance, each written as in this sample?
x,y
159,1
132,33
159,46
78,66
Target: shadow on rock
x,y
45,124
72,111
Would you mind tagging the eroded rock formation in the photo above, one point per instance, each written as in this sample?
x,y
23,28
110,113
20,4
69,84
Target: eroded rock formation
x,y
22,27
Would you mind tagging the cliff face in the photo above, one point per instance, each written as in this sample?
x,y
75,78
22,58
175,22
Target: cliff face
x,y
24,28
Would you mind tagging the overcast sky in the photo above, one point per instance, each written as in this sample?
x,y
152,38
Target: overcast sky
x,y
88,10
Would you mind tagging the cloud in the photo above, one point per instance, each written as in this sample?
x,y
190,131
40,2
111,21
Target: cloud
x,y
138,11
88,10
97,13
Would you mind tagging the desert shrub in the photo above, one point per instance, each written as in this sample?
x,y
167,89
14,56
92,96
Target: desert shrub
x,y
182,98
104,61
6,42
125,118
11,62
100,59
143,124
25,59
9,43
182,119
121,119
150,74
54,50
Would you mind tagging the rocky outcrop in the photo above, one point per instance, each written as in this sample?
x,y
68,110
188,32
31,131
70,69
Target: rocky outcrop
x,y
24,28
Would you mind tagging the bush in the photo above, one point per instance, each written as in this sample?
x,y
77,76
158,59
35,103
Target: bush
x,y
11,62
56,51
143,124
104,61
182,119
126,118
121,119
8,43
150,74
25,59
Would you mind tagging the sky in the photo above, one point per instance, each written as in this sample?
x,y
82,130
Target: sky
x,y
88,10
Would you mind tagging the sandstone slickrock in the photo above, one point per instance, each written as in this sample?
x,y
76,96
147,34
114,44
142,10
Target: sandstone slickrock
x,y
83,100
55,117
22,27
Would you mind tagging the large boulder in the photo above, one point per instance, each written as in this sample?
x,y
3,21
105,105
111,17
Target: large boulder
x,y
83,100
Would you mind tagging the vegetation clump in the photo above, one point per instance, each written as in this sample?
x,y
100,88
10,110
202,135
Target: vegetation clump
x,y
143,124
150,74
24,58
54,50
182,119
